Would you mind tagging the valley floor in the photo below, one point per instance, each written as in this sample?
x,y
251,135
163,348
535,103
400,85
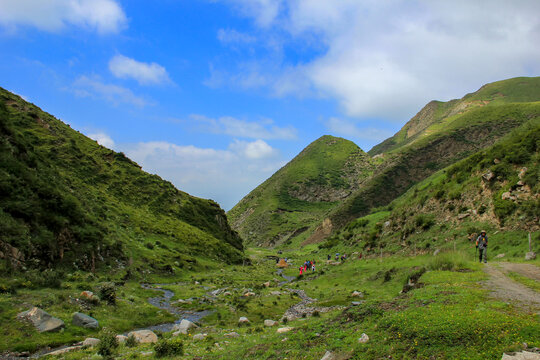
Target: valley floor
x,y
423,307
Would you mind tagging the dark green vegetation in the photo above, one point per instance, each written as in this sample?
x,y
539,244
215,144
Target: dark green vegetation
x,y
68,203
294,199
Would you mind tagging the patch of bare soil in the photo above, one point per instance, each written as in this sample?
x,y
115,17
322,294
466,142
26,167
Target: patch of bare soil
x,y
529,270
507,290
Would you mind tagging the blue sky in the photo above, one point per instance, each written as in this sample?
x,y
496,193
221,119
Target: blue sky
x,y
216,95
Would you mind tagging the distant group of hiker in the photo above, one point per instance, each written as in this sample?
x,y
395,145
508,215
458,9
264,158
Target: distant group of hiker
x,y
338,257
308,265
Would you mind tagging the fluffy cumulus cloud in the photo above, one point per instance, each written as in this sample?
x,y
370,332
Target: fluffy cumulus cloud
x,y
388,58
227,125
222,175
104,16
94,87
144,73
102,139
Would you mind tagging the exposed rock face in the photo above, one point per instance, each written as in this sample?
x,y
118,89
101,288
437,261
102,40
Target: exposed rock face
x,y
85,321
43,321
11,254
144,336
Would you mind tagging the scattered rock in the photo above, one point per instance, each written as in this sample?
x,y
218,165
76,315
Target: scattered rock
x,y
65,350
522,172
507,196
267,284
269,323
275,293
284,329
85,321
387,223
147,353
183,327
232,335
520,183
199,336
243,320
284,339
356,303
90,342
249,294
363,339
357,294
42,321
523,355
197,283
496,161
436,252
328,356
87,295
463,215
531,255
121,338
500,256
144,336
488,176
227,293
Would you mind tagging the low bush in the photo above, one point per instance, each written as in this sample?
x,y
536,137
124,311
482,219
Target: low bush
x,y
169,347
107,344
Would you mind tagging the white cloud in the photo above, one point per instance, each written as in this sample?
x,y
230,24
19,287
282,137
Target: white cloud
x,y
104,16
387,59
227,125
351,130
231,36
102,139
93,87
222,175
145,73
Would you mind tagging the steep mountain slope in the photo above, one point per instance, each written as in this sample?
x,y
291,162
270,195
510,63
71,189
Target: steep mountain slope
x,y
497,188
65,200
442,143
437,114
298,195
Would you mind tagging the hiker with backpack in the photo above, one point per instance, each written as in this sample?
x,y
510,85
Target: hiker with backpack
x,y
481,245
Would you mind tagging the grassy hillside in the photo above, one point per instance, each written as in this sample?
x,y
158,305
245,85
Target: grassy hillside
x,y
443,144
438,114
299,195
66,201
496,189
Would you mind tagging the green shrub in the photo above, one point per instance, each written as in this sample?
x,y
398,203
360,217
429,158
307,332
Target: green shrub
x,y
169,347
107,344
447,262
131,341
107,292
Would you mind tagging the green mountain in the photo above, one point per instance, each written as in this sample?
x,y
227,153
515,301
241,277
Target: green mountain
x,y
67,201
297,197
496,188
507,105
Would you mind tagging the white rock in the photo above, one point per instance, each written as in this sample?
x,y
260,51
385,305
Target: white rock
x,y
121,338
284,329
275,293
144,336
243,320
524,355
232,334
363,339
65,350
328,356
249,294
90,342
531,255
357,294
199,336
183,327
269,323
267,284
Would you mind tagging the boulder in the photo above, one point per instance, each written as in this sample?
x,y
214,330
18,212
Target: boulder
x,y
328,356
284,329
85,321
199,336
357,294
144,336
531,255
121,338
243,320
269,323
183,327
523,355
90,342
41,320
363,339
232,334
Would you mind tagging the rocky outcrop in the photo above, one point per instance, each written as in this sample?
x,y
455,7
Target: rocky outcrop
x,y
42,321
144,336
85,321
184,327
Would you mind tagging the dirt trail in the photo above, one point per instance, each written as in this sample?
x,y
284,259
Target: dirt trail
x,y
510,291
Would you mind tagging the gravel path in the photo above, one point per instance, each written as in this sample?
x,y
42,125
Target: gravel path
x,y
506,289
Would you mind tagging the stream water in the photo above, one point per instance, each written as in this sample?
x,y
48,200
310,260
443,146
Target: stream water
x,y
287,278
